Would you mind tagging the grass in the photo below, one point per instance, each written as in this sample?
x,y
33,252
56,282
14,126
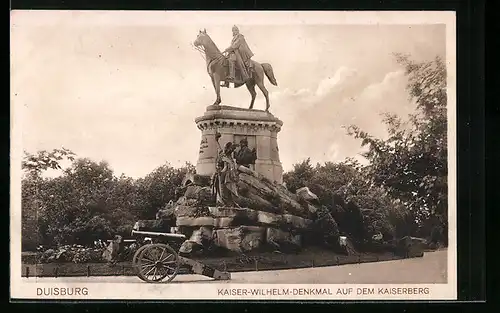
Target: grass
x,y
235,263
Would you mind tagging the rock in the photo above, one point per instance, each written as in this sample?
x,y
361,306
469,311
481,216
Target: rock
x,y
296,222
224,222
187,247
195,221
251,200
167,213
187,202
246,170
346,246
202,194
282,240
241,216
199,239
217,222
417,244
107,255
230,217
113,249
411,246
284,222
305,194
188,179
280,199
202,236
269,219
190,211
240,239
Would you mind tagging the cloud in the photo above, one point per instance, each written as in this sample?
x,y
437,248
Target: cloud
x,y
341,79
314,119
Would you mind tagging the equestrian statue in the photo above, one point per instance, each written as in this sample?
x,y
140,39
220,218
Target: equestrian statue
x,y
234,65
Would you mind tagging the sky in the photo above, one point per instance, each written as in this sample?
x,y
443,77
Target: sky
x,y
127,90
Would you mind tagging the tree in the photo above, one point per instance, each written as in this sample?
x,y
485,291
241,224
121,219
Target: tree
x,y
70,201
43,160
125,205
300,176
158,187
412,163
31,185
30,232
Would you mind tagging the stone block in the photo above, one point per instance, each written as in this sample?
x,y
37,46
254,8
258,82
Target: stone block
x,y
240,239
296,222
195,221
283,239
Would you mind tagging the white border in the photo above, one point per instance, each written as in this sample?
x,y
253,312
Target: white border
x,y
27,290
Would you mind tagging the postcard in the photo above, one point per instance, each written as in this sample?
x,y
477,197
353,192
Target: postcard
x,y
229,155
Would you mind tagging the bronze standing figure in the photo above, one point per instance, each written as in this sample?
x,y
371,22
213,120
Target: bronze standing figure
x,y
227,177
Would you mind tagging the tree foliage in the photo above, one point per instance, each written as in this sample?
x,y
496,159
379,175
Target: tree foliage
x,y
158,187
361,209
411,164
88,202
43,160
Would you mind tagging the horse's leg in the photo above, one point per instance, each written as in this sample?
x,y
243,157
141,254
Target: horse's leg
x,y
259,80
215,87
251,88
262,88
216,82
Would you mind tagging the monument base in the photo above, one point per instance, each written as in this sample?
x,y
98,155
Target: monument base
x,y
259,128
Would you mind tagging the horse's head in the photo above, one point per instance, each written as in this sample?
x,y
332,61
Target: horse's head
x,y
201,39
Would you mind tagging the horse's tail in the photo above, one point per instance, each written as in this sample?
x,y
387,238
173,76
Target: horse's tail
x,y
268,70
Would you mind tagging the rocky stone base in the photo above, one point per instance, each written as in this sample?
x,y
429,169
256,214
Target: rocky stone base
x,y
266,214
240,229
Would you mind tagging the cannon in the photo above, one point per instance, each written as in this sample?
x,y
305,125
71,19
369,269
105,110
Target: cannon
x,y
158,262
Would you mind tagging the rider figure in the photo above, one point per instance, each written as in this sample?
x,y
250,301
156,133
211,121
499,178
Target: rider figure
x,y
240,53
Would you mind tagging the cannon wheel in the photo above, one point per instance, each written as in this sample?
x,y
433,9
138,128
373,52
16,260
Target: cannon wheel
x,y
157,261
136,257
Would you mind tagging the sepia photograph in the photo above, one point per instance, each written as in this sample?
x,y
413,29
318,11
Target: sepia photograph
x,y
233,155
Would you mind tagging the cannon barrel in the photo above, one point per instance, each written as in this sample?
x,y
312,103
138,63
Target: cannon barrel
x,y
124,240
157,234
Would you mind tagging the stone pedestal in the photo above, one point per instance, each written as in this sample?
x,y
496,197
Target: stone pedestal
x,y
260,128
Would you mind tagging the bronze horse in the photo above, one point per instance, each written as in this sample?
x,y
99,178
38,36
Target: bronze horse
x,y
217,68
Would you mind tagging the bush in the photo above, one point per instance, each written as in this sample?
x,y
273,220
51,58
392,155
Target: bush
x,y
70,253
360,209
